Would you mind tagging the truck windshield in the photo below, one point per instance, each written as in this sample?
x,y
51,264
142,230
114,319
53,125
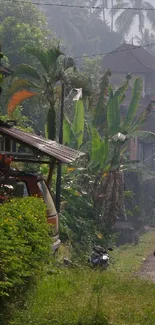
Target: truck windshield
x,y
47,197
11,188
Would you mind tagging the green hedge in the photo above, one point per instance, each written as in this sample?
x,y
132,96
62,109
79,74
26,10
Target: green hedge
x,y
24,242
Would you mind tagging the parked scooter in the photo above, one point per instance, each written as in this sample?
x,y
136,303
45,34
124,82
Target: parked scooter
x,y
99,257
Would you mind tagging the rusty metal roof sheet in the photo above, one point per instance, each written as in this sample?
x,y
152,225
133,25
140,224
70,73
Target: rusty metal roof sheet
x,y
45,146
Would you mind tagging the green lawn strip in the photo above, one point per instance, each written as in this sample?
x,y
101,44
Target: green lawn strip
x,y
76,296
129,258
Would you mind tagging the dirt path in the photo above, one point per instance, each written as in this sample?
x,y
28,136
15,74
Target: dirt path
x,y
148,269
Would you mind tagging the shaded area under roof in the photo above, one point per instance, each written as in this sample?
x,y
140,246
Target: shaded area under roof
x,y
129,58
45,146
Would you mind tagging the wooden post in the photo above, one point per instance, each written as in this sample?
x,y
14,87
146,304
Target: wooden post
x,y
51,169
58,183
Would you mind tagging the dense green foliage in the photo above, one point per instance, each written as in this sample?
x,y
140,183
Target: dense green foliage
x,y
21,25
24,243
102,177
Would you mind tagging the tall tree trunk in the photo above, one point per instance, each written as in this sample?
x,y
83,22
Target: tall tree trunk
x,y
51,123
142,35
103,10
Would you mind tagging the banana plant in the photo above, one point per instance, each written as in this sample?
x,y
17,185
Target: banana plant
x,y
108,152
73,133
106,147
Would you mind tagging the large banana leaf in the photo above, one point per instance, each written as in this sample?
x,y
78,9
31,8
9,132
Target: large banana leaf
x,y
95,144
102,97
98,148
133,107
19,84
113,108
78,123
113,114
28,70
140,120
18,98
137,124
122,89
142,135
67,132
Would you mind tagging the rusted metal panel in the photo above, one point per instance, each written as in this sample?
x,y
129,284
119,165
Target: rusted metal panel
x,y
45,146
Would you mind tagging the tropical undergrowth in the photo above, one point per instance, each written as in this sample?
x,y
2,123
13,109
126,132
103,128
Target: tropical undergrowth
x,y
82,296
24,246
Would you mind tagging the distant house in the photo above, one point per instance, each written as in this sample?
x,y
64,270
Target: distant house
x,y
139,62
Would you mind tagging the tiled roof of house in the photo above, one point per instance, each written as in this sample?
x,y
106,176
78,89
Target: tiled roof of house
x,y
129,58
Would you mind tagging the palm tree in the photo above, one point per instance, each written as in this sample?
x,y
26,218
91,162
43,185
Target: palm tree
x,y
112,16
147,37
103,4
44,82
126,18
67,23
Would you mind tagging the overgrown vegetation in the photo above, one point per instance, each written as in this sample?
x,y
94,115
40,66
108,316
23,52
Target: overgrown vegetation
x,y
83,297
24,244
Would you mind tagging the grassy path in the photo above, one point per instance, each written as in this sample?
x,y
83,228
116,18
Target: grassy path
x,y
129,258
86,297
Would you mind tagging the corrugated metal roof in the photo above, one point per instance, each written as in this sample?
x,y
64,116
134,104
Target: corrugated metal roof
x,y
45,146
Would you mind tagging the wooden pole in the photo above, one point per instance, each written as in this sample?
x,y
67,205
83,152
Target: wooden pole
x,y
58,182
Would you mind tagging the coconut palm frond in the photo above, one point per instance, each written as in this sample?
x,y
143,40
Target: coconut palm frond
x,y
27,70
19,84
151,18
117,7
124,21
141,21
54,54
46,58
